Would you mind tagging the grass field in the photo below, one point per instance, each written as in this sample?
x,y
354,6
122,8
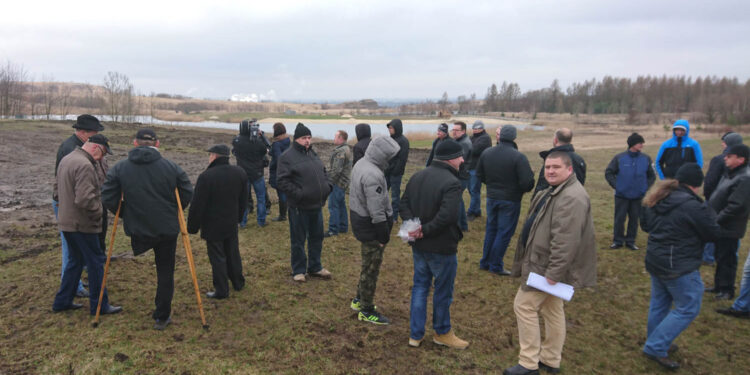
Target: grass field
x,y
277,326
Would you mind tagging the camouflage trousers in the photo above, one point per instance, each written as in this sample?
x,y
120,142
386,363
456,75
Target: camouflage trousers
x,y
372,257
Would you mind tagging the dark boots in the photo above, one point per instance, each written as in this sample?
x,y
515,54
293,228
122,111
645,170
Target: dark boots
x,y
282,212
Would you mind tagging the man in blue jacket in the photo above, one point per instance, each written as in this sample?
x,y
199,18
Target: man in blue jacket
x,y
678,150
630,174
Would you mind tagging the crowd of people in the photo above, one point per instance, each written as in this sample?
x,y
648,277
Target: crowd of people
x,y
556,239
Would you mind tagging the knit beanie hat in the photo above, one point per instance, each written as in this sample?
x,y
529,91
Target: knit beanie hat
x,y
508,133
443,128
690,174
301,131
731,139
740,150
635,139
448,149
478,125
278,129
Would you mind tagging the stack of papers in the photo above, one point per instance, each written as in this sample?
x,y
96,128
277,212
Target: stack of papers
x,y
560,290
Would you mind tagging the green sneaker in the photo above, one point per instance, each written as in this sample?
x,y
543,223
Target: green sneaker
x,y
357,306
373,317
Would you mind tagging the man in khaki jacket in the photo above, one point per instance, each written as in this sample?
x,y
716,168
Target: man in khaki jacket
x,y
80,219
557,242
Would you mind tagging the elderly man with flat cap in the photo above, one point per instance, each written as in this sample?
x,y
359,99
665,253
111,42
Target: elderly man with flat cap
x,y
80,213
146,182
217,207
85,126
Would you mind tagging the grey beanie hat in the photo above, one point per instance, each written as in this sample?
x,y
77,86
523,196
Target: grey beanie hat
x,y
732,139
508,133
478,125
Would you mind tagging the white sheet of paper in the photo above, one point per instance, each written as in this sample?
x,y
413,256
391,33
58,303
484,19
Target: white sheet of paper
x,y
560,290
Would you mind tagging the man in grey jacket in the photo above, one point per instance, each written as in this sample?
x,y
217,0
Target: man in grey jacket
x,y
371,214
80,220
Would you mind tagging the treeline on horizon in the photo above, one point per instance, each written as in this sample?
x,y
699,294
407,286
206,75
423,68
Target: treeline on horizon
x,y
708,99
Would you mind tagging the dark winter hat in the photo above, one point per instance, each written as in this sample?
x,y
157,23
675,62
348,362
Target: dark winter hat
x,y
222,150
478,125
101,140
443,128
690,174
278,129
731,139
88,122
635,139
448,149
301,131
508,133
740,150
146,134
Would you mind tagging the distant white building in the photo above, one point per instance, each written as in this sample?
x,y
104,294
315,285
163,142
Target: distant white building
x,y
248,98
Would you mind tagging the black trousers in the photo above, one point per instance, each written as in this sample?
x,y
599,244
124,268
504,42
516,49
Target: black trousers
x,y
226,263
164,256
726,264
630,209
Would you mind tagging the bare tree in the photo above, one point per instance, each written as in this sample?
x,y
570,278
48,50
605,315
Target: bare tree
x,y
11,89
119,93
31,98
49,95
64,99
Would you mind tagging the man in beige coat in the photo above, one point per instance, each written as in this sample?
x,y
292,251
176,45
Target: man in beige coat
x,y
557,242
80,220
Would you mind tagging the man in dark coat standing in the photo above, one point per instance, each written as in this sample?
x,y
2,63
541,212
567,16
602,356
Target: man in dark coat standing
x,y
302,177
85,127
480,141
442,134
508,175
630,174
731,202
433,195
250,148
396,167
146,183
561,142
459,134
218,204
364,135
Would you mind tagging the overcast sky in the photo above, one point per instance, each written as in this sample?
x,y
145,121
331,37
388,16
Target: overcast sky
x,y
334,50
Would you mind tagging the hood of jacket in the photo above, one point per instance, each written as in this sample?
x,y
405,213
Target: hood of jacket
x,y
363,131
674,200
144,155
398,127
563,148
681,123
381,151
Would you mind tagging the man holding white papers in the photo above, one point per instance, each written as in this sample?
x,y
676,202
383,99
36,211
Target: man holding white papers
x,y
557,242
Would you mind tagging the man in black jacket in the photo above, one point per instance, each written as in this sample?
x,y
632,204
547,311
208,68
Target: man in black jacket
x,y
442,134
218,204
146,183
432,195
85,127
480,141
459,134
250,148
561,142
302,177
716,169
508,175
364,134
395,171
731,202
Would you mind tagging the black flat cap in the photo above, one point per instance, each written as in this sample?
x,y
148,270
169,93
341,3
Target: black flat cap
x,y
220,149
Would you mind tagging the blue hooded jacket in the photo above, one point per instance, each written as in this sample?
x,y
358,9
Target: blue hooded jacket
x,y
677,151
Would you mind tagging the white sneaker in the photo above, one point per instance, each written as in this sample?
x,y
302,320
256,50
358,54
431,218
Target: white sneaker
x,y
323,273
300,278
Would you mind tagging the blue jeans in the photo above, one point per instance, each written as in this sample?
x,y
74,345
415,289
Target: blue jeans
x,y
426,267
259,186
394,183
306,225
84,248
282,196
502,218
65,251
665,323
742,303
475,190
338,219
708,253
463,223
